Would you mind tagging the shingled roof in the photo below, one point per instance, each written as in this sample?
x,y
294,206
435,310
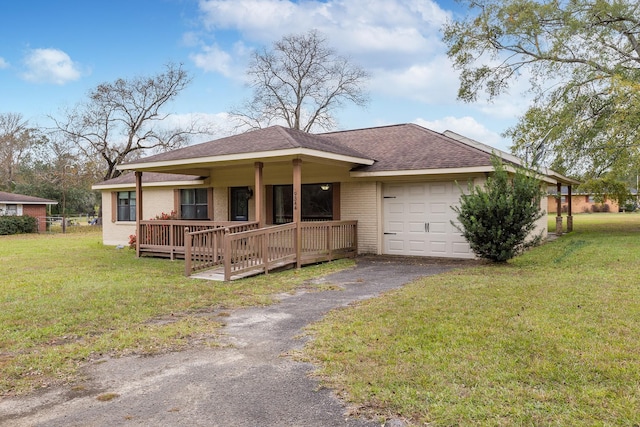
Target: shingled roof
x,y
273,138
13,198
410,147
385,150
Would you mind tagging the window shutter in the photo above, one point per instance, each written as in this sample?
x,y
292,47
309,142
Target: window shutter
x,y
176,203
268,200
210,203
336,201
114,206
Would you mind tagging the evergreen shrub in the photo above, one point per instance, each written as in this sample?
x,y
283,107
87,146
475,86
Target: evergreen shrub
x,y
11,224
498,220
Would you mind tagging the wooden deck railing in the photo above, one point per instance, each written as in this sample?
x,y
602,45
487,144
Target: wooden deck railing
x,y
261,249
267,248
167,237
328,240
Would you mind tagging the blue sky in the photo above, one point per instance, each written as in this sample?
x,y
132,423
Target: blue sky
x,y
53,52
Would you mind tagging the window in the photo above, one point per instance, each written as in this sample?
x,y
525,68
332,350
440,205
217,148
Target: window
x,y
193,203
126,206
317,203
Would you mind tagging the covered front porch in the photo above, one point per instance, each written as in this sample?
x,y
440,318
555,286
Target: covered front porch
x,y
273,233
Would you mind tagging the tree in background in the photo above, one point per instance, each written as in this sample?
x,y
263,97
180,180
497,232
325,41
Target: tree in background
x,y
499,219
300,81
58,171
607,188
17,142
123,120
583,59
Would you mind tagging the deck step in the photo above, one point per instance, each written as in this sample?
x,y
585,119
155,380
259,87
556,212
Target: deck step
x,y
217,274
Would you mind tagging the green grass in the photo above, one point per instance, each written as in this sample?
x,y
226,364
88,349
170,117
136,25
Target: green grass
x,y
551,338
67,299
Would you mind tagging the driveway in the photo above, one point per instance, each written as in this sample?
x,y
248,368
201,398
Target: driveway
x,y
250,382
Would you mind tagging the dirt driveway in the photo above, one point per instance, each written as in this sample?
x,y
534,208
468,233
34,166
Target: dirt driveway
x,y
250,382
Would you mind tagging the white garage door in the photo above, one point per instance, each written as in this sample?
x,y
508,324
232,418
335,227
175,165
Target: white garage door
x,y
417,220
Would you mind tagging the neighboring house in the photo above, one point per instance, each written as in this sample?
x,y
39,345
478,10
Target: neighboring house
x,y
19,205
580,202
398,182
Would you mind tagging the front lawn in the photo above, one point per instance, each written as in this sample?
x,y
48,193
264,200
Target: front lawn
x,y
551,338
67,299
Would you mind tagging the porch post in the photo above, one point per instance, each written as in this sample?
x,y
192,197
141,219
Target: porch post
x,y
569,211
297,207
259,194
559,210
138,210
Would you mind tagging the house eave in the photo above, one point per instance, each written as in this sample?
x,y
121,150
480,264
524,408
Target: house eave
x,y
420,172
148,185
441,171
558,178
262,156
14,202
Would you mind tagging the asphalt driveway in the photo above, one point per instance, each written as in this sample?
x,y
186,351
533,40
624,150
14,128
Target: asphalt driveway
x,y
249,382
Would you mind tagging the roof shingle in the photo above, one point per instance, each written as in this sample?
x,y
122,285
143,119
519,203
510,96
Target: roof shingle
x,y
22,199
409,147
268,139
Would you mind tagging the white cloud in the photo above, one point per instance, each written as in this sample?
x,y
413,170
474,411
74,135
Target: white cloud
x,y
254,16
50,66
230,64
434,82
466,126
190,39
213,59
3,63
376,34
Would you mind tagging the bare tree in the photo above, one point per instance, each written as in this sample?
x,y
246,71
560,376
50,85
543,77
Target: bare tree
x,y
122,121
16,141
300,81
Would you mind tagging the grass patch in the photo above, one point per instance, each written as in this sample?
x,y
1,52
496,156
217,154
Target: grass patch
x,y
67,299
107,397
551,338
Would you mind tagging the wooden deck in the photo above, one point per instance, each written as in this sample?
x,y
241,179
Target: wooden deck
x,y
165,238
233,250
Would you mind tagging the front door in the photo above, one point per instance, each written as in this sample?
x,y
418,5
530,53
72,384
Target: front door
x,y
239,200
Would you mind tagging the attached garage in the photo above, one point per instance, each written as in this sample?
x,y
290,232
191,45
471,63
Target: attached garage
x,y
417,220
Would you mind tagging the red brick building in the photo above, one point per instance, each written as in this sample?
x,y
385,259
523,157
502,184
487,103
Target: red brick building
x,y
19,204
